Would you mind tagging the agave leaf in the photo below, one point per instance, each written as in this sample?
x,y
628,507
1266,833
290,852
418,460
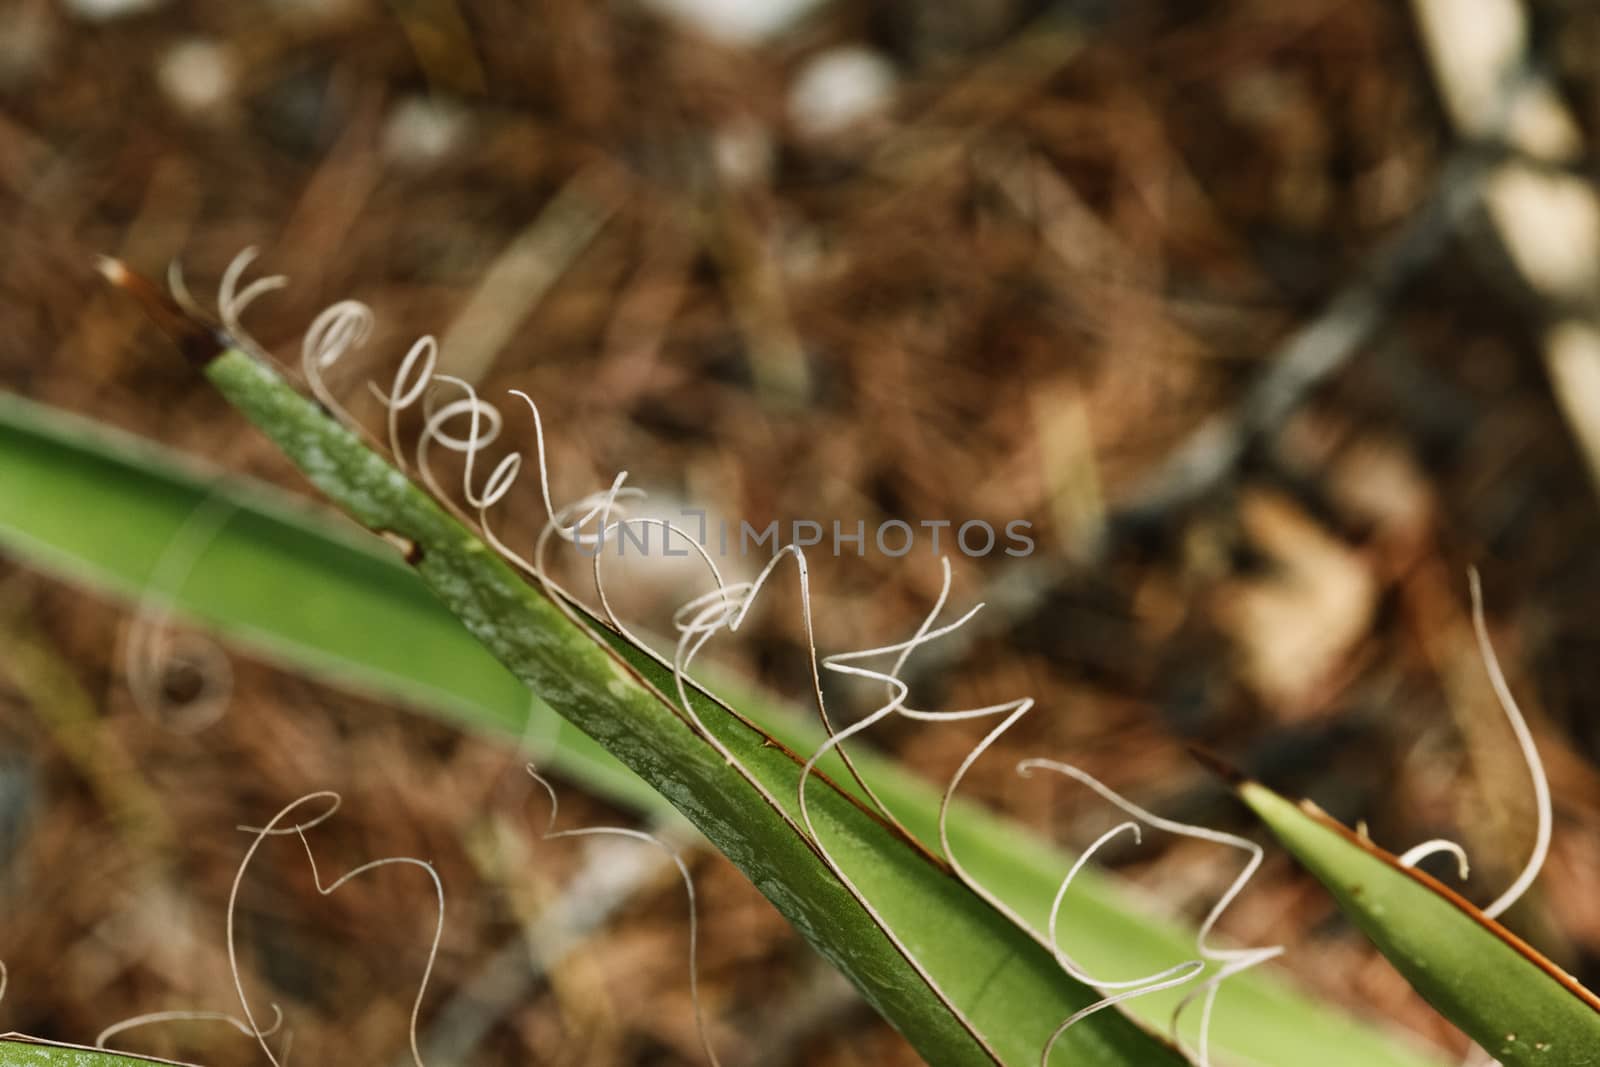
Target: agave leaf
x,y
964,985
281,580
1515,1003
19,1050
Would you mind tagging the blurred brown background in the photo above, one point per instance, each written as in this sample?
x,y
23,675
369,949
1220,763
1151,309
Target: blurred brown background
x,y
1231,300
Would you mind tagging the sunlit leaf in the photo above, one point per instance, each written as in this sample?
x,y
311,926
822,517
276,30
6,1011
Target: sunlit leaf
x,y
1516,1004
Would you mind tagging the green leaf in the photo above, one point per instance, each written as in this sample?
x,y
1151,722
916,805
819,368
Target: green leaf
x,y
105,508
1520,1007
964,985
19,1051
279,579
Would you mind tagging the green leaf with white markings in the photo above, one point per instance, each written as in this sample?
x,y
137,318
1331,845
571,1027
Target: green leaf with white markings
x,y
284,582
963,984
19,1051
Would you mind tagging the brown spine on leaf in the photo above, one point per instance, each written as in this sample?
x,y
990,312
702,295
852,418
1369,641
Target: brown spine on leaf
x,y
199,341
1218,766
409,549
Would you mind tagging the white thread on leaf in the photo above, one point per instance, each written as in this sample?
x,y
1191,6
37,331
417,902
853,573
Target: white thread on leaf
x,y
596,508
1171,977
734,603
540,454
1066,961
727,608
484,429
231,303
335,331
667,530
1530,755
1232,961
1184,972
724,607
1417,853
152,1018
1212,985
896,693
180,290
409,384
1255,851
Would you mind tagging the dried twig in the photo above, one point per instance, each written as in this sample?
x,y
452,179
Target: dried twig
x,y
1308,358
1546,220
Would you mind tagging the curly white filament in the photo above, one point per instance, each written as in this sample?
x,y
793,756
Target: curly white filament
x,y
668,529
483,430
411,380
1175,975
485,426
1065,961
589,521
551,834
438,929
601,507
233,897
1182,973
595,509
1255,851
1232,960
180,290
896,692
1013,712
1209,989
154,1017
540,454
1417,853
335,331
726,608
275,827
232,303
1530,754
151,649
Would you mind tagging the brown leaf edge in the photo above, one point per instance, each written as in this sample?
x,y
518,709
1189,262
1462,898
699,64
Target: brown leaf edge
x,y
1236,780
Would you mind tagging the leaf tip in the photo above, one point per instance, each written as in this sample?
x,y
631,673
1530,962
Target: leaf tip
x,y
198,340
1218,766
